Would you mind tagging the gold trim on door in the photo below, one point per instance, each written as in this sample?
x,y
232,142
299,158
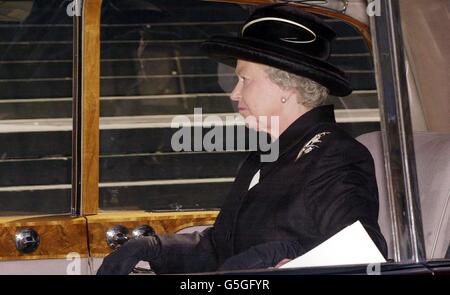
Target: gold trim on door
x,y
167,222
59,236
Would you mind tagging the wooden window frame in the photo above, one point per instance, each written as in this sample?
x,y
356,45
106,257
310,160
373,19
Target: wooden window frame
x,y
100,222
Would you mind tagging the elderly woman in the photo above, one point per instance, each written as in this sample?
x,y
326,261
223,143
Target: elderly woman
x,y
322,180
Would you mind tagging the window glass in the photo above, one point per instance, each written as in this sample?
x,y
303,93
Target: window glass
x,y
35,107
428,60
152,69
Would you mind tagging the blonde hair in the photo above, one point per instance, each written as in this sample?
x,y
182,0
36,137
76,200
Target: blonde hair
x,y
310,93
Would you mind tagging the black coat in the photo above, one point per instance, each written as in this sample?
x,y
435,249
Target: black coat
x,y
301,199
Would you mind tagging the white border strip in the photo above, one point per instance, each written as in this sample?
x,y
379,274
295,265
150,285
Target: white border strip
x,y
148,97
119,184
162,121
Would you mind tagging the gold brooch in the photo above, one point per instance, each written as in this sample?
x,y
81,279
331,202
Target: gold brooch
x,y
312,144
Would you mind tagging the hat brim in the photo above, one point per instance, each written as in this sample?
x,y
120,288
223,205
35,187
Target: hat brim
x,y
228,49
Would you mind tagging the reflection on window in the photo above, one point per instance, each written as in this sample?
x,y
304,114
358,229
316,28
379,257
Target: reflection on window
x,y
152,69
35,107
428,87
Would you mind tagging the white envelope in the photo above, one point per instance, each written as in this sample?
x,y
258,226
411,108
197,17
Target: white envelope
x,y
352,245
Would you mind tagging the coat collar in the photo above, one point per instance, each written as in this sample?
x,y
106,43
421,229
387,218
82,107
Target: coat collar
x,y
298,132
300,127
294,134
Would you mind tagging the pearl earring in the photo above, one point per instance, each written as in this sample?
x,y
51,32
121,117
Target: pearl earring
x,y
283,100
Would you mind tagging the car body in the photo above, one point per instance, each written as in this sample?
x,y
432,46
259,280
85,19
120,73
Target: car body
x,y
89,94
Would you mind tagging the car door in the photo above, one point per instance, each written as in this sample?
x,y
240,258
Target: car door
x,y
154,74
38,232
152,70
89,99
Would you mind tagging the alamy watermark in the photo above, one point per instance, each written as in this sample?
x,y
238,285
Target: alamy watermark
x,y
374,8
74,266
216,140
74,8
373,269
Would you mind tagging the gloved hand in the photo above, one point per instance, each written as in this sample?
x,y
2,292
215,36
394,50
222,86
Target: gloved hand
x,y
263,255
122,260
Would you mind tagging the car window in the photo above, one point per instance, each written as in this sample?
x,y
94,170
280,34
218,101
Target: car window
x,y
35,107
152,70
428,89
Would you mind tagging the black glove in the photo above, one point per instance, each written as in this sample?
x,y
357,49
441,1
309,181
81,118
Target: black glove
x,y
263,255
124,259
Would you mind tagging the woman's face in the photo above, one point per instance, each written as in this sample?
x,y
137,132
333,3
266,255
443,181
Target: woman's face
x,y
256,95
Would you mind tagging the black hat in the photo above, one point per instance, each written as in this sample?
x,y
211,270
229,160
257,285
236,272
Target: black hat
x,y
287,38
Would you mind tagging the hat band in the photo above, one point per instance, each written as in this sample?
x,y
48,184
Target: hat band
x,y
290,40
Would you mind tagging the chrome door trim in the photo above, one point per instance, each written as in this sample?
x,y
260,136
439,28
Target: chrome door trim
x,y
397,137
